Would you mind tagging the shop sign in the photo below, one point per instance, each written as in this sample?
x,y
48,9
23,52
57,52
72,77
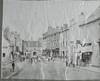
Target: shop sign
x,y
87,47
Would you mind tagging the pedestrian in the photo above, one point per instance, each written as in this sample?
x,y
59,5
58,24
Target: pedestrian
x,y
53,59
13,66
66,63
12,55
31,60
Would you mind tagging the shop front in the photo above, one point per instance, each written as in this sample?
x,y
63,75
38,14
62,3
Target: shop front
x,y
86,54
96,54
55,52
86,58
46,52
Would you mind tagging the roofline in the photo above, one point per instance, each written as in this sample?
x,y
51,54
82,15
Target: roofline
x,y
90,22
57,32
64,30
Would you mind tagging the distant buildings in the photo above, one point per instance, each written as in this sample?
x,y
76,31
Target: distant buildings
x,y
31,48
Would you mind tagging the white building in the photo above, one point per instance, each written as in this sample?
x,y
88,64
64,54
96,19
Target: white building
x,y
63,41
51,39
90,31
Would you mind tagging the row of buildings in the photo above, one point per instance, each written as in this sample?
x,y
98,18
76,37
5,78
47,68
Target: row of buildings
x,y
79,40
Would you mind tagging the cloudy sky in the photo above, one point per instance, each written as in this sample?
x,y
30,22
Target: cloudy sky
x,y
31,18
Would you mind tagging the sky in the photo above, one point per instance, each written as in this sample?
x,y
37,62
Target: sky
x,y
32,18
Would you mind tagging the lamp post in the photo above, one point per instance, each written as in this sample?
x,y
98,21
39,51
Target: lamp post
x,y
23,46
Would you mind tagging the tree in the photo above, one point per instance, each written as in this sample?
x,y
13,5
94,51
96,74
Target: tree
x,y
6,34
12,37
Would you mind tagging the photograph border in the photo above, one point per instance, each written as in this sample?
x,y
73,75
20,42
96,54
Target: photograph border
x,y
1,23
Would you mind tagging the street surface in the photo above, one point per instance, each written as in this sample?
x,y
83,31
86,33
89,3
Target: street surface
x,y
42,70
54,71
82,74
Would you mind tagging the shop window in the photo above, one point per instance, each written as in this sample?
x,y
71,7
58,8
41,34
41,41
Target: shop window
x,y
88,44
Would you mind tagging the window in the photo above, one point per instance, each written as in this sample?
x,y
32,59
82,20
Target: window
x,y
34,53
3,54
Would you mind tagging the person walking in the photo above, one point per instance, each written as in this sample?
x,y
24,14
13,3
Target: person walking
x,y
12,53
66,62
13,66
31,60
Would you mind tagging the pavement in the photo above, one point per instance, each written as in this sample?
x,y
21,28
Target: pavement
x,y
91,68
82,74
18,68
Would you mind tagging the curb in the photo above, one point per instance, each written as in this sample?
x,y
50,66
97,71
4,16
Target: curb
x,y
12,74
87,69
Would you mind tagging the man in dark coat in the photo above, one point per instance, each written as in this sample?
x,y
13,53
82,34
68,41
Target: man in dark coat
x,y
13,66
